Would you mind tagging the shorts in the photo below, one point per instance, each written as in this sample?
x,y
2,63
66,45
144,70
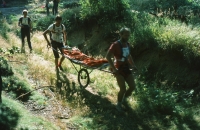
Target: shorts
x,y
124,70
56,47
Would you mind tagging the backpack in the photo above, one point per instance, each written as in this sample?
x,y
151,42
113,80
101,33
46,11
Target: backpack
x,y
50,34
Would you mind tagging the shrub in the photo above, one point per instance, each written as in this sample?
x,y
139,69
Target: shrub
x,y
4,28
44,22
71,19
6,69
104,11
8,118
16,87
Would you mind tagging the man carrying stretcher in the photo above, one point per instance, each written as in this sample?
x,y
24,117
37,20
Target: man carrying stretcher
x,y
121,66
58,37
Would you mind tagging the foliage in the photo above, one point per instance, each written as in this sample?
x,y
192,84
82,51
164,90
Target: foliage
x,y
10,51
16,87
19,0
4,28
71,19
13,115
6,69
104,11
44,22
8,117
70,4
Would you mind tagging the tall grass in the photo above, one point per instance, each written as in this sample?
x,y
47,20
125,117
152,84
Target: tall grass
x,y
4,28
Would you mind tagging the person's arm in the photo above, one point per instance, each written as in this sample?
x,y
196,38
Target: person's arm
x,y
30,24
20,24
131,62
65,37
45,36
108,57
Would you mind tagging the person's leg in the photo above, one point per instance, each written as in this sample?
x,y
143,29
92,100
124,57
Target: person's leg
x,y
56,62
56,8
61,60
53,8
122,87
61,51
23,42
131,83
29,40
55,52
47,8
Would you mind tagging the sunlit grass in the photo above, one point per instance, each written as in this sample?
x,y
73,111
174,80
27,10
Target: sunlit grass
x,y
27,120
104,83
148,102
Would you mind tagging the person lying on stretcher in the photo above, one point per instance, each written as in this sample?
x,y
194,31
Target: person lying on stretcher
x,y
78,55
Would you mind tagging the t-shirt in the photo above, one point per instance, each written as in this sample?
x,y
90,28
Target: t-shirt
x,y
25,21
116,50
57,32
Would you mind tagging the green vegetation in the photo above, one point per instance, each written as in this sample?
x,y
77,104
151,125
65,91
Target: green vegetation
x,y
15,116
165,48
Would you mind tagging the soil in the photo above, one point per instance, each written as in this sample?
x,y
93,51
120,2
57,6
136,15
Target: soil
x,y
57,113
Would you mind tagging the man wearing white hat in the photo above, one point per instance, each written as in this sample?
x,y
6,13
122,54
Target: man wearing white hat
x,y
26,28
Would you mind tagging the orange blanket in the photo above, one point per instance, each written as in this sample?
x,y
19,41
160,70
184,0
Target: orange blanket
x,y
89,61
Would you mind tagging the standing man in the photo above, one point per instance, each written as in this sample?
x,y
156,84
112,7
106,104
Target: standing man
x,y
55,7
26,28
58,38
121,66
47,6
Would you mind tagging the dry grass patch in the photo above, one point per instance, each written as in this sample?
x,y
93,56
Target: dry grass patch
x,y
4,43
40,46
40,69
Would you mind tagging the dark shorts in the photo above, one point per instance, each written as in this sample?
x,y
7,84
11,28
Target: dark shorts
x,y
57,46
124,70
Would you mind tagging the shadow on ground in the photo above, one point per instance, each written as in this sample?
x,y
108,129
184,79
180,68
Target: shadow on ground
x,y
105,116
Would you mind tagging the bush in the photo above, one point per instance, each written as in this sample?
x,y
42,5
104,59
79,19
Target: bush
x,y
44,22
4,28
6,69
16,87
104,11
71,19
8,117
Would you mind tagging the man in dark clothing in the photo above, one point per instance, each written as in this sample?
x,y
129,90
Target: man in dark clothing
x,y
26,28
55,7
121,66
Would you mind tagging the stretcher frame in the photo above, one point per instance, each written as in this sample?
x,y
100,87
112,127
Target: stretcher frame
x,y
83,74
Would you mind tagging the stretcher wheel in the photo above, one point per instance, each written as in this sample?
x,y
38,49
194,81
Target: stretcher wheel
x,y
83,78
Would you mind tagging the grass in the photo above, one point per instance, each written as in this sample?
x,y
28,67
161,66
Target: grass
x,y
157,102
23,119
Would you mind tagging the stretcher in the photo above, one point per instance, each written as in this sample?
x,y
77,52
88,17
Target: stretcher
x,y
75,56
